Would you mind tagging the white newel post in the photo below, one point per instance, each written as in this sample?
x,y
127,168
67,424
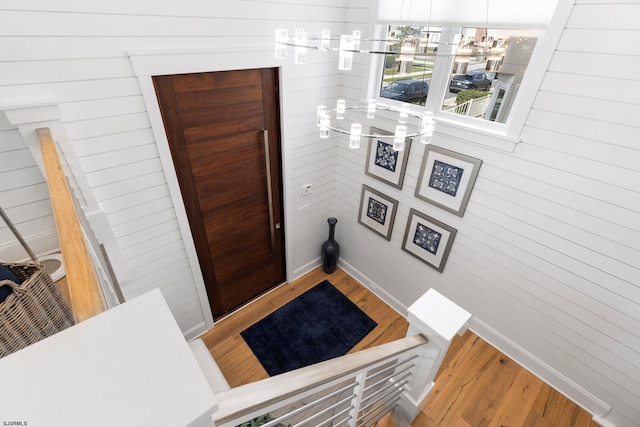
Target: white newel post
x,y
439,320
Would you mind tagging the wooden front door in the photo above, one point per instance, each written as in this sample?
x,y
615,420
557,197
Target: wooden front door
x,y
224,135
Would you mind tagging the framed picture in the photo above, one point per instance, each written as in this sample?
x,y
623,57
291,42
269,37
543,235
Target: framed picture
x,y
377,211
428,239
446,179
383,162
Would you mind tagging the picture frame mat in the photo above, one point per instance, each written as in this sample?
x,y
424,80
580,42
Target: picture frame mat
x,y
395,179
438,196
409,246
455,204
383,230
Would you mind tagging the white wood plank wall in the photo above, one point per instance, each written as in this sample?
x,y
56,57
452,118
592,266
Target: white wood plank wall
x,y
546,254
548,251
24,197
74,53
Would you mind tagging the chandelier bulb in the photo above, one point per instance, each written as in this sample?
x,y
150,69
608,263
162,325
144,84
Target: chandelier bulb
x,y
425,138
356,39
427,127
371,109
426,130
281,37
427,117
404,114
345,58
354,138
325,122
325,41
398,140
321,111
300,50
340,109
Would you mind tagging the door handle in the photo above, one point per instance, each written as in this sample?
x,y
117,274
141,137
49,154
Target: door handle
x,y
267,160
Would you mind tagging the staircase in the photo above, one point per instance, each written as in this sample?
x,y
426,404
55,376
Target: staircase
x,y
360,389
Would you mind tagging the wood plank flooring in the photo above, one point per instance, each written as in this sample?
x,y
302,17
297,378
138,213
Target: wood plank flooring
x,y
238,363
477,385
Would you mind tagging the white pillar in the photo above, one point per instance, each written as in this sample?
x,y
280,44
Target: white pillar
x,y
439,320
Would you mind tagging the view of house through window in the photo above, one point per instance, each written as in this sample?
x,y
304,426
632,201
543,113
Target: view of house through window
x,y
486,68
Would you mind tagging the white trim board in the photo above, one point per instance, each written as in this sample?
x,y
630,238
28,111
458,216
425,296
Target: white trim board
x,y
148,63
40,244
374,288
301,271
195,332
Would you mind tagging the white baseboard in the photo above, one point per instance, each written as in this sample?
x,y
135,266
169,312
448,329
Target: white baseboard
x,y
195,332
546,373
301,271
603,422
373,287
40,244
356,274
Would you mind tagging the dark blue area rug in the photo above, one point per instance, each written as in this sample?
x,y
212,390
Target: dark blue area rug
x,y
318,325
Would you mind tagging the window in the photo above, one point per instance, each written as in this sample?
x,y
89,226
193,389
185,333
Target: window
x,y
457,71
406,69
496,105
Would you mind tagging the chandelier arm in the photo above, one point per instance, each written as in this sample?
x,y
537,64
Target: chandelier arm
x,y
371,51
348,46
375,135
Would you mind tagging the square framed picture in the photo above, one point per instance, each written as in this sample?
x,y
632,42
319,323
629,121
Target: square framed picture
x,y
447,178
383,162
377,211
428,239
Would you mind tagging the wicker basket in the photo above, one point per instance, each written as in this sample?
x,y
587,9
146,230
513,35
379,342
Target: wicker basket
x,y
33,311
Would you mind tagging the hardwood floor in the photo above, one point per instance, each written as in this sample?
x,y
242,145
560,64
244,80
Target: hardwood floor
x,y
238,363
476,386
479,386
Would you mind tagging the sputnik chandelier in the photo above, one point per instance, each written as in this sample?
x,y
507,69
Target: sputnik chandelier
x,y
424,129
350,44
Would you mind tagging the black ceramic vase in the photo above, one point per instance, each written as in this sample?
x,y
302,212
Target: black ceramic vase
x,y
330,249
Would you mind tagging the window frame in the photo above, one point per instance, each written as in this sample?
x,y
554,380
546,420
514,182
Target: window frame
x,y
502,136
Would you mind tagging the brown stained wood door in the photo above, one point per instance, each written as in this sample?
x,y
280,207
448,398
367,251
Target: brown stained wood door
x,y
218,125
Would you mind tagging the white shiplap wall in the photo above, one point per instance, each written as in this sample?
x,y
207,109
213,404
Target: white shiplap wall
x,y
547,255
75,53
24,197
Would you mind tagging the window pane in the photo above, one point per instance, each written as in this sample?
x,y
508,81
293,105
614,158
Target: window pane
x,y
496,105
485,60
407,74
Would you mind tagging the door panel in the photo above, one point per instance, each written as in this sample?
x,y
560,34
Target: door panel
x,y
221,81
221,114
215,124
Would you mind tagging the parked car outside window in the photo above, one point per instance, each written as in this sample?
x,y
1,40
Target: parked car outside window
x,y
476,80
407,90
478,59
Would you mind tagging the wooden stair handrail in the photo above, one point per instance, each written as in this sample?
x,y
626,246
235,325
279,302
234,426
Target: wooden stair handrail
x,y
242,401
84,290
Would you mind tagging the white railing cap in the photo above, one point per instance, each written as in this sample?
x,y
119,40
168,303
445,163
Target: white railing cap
x,y
433,312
